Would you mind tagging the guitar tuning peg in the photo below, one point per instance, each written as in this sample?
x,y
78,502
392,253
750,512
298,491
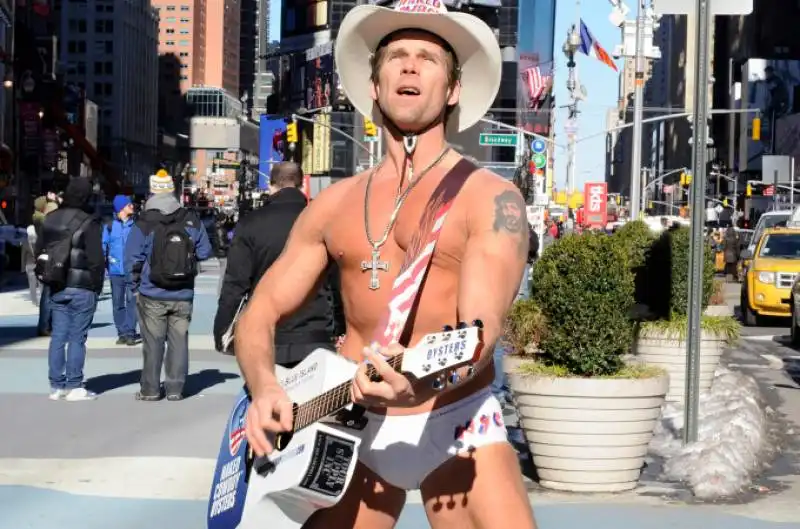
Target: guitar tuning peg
x,y
453,378
477,323
461,325
447,328
438,384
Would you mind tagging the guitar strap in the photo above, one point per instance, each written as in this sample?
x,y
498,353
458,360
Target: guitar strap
x,y
406,287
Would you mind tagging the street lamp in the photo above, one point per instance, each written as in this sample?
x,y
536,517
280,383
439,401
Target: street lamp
x,y
570,48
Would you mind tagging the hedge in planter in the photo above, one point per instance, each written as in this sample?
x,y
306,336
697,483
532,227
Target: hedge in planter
x,y
662,342
588,418
585,294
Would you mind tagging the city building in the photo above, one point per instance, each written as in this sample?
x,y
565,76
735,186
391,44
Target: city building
x,y
181,58
255,79
221,139
109,48
223,18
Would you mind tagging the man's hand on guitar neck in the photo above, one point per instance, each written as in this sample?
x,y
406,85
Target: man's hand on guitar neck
x,y
385,387
270,412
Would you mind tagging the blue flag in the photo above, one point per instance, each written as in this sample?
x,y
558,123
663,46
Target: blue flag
x,y
228,490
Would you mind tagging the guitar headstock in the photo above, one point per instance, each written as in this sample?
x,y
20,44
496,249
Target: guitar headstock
x,y
443,353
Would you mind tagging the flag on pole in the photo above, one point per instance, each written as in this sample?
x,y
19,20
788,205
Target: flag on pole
x,y
590,47
536,84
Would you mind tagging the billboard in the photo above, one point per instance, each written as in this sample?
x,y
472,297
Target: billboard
x,y
773,87
320,81
595,201
271,144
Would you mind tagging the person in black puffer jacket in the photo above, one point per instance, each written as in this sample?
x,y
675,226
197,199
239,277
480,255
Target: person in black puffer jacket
x,y
73,304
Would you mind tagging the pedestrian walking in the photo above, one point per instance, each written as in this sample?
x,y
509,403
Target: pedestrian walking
x,y
252,253
70,262
161,263
123,301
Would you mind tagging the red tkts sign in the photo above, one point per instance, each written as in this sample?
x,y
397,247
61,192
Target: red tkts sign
x,y
595,202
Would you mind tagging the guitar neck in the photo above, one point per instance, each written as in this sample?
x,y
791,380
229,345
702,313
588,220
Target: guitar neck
x,y
333,400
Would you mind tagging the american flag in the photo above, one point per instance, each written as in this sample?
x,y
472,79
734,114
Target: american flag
x,y
536,83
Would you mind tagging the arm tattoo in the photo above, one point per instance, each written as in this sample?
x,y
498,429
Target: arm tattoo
x,y
509,213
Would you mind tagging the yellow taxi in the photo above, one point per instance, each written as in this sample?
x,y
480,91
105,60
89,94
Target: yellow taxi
x,y
775,263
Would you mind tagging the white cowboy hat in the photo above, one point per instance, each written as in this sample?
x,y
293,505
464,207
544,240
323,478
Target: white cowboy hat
x,y
473,42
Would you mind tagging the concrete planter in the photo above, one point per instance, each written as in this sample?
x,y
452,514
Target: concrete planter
x,y
719,310
587,435
656,348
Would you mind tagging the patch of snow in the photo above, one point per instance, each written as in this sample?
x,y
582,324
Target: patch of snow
x,y
734,442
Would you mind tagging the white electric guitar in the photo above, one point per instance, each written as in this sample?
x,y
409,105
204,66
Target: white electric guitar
x,y
312,466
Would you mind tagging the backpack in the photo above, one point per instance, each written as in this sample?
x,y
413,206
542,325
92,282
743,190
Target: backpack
x,y
53,263
173,264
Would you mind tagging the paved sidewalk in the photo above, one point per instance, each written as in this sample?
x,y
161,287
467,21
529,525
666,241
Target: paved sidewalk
x,y
122,464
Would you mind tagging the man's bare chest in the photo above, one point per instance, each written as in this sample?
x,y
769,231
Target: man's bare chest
x,y
361,239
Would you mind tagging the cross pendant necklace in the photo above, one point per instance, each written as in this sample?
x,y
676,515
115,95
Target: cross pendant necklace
x,y
375,264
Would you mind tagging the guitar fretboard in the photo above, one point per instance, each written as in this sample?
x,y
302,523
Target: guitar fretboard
x,y
333,400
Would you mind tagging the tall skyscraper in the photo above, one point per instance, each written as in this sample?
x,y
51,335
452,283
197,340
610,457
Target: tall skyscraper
x,y
223,18
110,49
182,56
255,79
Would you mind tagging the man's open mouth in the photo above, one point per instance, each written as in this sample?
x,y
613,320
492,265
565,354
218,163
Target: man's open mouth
x,y
408,91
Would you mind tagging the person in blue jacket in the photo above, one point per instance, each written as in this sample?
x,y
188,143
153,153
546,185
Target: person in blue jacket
x,y
161,263
123,303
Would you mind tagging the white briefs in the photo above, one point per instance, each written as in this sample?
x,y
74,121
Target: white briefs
x,y
404,449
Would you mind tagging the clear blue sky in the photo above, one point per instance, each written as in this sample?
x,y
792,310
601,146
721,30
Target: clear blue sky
x,y
275,19
602,88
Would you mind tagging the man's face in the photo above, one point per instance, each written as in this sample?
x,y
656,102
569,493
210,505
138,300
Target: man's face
x,y
412,87
126,212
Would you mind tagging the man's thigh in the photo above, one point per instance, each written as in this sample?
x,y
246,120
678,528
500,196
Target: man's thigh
x,y
369,503
482,489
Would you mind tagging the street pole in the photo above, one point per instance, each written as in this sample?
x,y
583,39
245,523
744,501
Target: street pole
x,y
696,261
570,48
340,131
638,105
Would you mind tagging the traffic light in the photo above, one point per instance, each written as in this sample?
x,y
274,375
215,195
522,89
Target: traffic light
x,y
686,179
369,127
748,190
619,199
725,202
291,132
756,135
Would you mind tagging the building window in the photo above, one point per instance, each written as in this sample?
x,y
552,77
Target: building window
x,y
78,47
185,20
170,8
170,31
80,67
104,26
185,32
171,19
184,54
184,77
98,68
107,89
185,8
184,43
78,26
184,66
170,43
108,68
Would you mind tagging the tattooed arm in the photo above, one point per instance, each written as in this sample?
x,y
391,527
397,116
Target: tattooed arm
x,y
494,259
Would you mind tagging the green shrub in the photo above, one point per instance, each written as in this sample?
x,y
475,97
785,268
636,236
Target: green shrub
x,y
637,237
680,244
585,295
525,326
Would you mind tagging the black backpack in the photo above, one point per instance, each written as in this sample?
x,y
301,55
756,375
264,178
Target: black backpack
x,y
173,264
52,264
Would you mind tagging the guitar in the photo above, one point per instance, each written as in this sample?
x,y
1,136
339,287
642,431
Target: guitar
x,y
313,464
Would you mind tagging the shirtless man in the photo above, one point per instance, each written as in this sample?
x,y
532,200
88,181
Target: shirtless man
x,y
417,83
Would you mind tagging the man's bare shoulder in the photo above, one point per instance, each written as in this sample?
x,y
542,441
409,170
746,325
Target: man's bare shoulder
x,y
486,191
